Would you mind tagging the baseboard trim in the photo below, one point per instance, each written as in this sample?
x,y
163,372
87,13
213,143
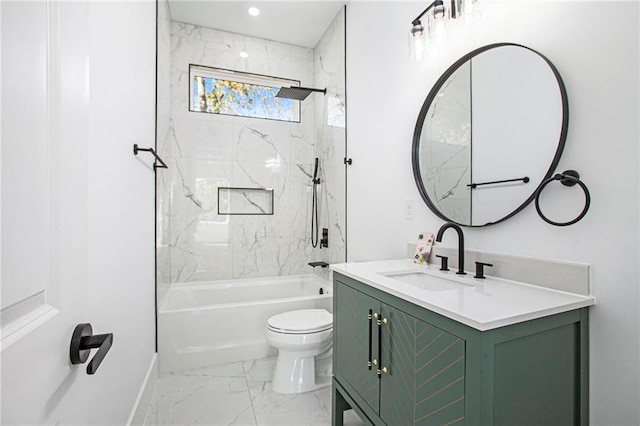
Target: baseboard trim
x,y
139,410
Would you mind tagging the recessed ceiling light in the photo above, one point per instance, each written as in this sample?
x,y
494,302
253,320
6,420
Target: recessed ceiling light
x,y
244,55
254,11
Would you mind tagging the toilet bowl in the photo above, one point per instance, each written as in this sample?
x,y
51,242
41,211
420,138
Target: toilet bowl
x,y
304,342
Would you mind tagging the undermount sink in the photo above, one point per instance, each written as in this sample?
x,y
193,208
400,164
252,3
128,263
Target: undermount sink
x,y
426,280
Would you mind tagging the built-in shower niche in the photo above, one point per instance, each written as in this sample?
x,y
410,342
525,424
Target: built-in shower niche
x,y
245,201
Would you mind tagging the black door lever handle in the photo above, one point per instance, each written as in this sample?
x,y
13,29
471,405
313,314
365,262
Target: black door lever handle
x,y
83,340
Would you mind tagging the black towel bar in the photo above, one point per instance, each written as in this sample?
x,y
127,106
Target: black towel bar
x,y
475,185
162,164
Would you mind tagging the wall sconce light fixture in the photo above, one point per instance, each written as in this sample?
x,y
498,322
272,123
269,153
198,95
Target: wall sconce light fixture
x,y
435,16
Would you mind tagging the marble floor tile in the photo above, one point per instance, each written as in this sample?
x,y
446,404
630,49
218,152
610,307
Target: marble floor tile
x,y
236,394
277,409
206,396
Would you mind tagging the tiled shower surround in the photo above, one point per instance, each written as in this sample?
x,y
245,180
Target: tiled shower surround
x,y
208,151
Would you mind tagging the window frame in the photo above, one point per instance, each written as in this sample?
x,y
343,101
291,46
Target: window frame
x,y
245,78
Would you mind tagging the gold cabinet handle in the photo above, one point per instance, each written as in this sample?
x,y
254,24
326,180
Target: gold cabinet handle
x,y
374,362
384,370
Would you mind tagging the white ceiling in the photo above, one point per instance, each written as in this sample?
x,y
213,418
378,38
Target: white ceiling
x,y
296,22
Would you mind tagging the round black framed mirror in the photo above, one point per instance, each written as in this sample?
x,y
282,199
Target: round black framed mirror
x,y
491,130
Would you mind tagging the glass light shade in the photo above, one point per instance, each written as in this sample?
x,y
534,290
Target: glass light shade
x,y
417,40
469,12
438,9
437,30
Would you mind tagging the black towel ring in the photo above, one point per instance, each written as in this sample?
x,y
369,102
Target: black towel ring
x,y
567,178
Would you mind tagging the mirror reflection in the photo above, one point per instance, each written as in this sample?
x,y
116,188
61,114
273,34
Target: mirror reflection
x,y
490,131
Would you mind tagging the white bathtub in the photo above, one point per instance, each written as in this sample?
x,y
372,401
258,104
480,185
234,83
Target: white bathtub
x,y
209,323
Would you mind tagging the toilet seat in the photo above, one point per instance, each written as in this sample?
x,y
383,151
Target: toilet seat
x,y
304,321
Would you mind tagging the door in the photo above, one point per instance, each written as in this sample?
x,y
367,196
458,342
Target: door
x,y
356,337
424,379
77,206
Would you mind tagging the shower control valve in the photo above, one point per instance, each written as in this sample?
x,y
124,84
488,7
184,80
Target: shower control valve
x,y
324,241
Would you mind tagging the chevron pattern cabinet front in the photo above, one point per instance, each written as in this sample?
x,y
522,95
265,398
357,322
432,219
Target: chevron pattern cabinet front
x,y
424,383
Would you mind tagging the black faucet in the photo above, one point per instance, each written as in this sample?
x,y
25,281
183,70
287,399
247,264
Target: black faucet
x,y
460,244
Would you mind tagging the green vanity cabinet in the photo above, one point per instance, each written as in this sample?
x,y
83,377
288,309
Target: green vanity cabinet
x,y
396,363
357,338
423,366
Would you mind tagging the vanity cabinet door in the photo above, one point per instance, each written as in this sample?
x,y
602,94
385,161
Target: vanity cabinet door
x,y
425,379
354,341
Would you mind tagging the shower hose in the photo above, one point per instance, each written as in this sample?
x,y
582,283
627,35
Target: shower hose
x,y
314,214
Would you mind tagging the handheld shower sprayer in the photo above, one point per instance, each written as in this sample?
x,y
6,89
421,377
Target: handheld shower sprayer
x,y
314,207
316,180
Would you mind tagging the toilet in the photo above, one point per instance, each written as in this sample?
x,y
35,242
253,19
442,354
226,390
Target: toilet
x,y
304,342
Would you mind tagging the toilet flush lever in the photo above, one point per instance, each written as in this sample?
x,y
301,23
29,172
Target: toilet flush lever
x,y
83,340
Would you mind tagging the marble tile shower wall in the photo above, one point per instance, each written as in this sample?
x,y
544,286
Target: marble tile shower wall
x,y
163,114
330,136
206,151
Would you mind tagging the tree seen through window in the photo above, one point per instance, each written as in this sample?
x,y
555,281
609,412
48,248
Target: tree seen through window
x,y
246,99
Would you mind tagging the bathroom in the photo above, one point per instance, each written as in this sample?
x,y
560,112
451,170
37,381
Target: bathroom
x,y
595,47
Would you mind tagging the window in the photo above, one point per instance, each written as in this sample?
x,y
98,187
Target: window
x,y
218,91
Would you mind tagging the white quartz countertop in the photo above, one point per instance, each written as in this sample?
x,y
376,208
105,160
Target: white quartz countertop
x,y
483,304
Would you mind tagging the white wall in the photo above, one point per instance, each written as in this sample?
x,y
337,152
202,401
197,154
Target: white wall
x,y
595,47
